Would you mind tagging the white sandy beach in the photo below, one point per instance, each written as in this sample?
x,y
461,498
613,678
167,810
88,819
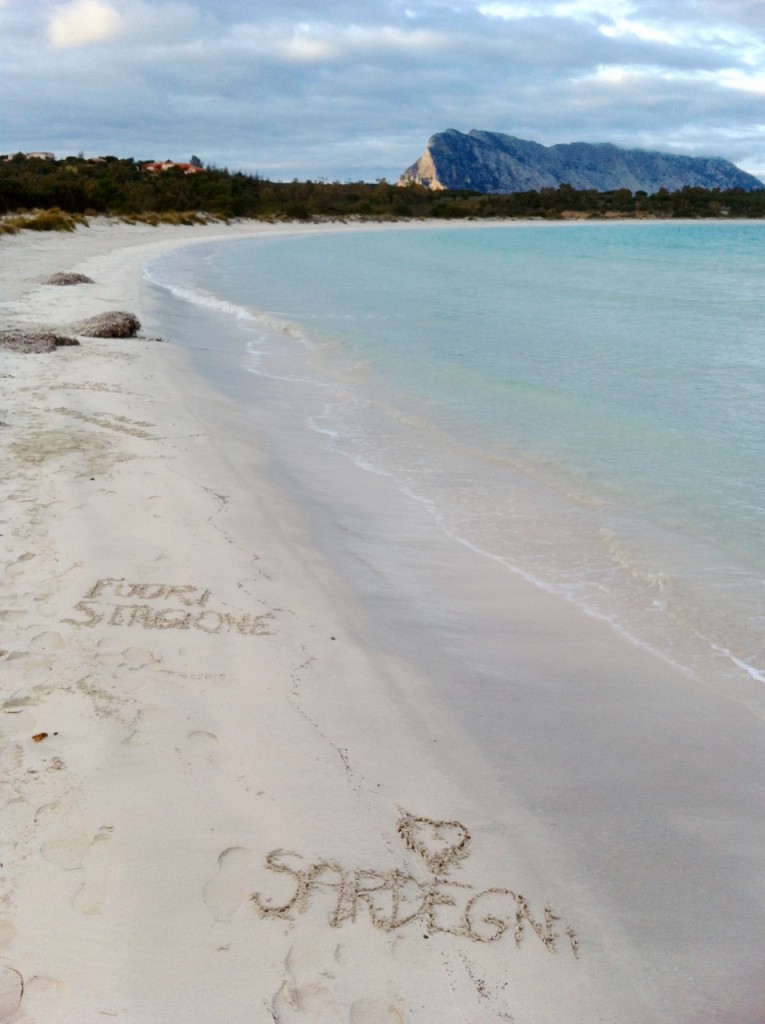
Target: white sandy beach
x,y
222,803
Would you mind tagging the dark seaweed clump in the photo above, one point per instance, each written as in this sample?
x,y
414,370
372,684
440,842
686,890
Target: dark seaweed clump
x,y
19,340
109,325
65,278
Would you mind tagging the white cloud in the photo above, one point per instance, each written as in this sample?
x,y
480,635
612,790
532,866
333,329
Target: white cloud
x,y
323,43
610,73
733,79
624,28
84,22
391,39
588,8
309,48
507,11
577,10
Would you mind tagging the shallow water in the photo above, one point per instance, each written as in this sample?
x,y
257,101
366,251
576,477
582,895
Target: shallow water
x,y
581,404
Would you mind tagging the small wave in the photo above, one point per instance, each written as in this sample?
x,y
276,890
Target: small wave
x,y
200,298
618,552
750,670
336,437
259,318
371,467
286,380
324,431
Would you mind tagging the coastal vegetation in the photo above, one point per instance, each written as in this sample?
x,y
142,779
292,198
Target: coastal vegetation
x,y
45,195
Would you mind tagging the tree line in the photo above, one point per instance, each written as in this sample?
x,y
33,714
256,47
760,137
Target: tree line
x,y
119,187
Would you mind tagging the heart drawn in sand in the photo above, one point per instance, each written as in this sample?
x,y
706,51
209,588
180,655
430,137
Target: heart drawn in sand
x,y
439,843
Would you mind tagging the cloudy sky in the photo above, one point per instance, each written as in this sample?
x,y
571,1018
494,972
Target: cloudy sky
x,y
352,89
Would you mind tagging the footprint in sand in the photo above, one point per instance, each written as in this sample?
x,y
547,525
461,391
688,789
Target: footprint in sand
x,y
149,723
11,656
11,992
299,1004
42,998
48,641
7,931
11,757
109,651
375,1011
12,614
230,889
88,901
202,747
306,997
62,842
132,658
68,852
45,607
313,1003
15,567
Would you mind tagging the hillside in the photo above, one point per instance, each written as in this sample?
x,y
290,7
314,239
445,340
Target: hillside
x,y
495,164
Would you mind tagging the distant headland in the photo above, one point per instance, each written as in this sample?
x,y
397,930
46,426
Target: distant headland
x,y
498,164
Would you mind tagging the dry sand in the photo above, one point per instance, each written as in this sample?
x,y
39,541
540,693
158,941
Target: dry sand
x,y
221,804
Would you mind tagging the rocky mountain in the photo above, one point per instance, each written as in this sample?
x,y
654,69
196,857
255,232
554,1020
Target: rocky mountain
x,y
494,163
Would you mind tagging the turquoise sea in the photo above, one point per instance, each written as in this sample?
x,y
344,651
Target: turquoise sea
x,y
580,404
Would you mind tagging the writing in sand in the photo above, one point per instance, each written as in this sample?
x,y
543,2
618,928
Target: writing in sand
x,y
393,898
115,602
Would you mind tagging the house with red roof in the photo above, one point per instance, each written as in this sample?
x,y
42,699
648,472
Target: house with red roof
x,y
156,167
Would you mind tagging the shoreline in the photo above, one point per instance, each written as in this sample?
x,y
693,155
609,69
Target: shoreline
x,y
690,644
210,697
